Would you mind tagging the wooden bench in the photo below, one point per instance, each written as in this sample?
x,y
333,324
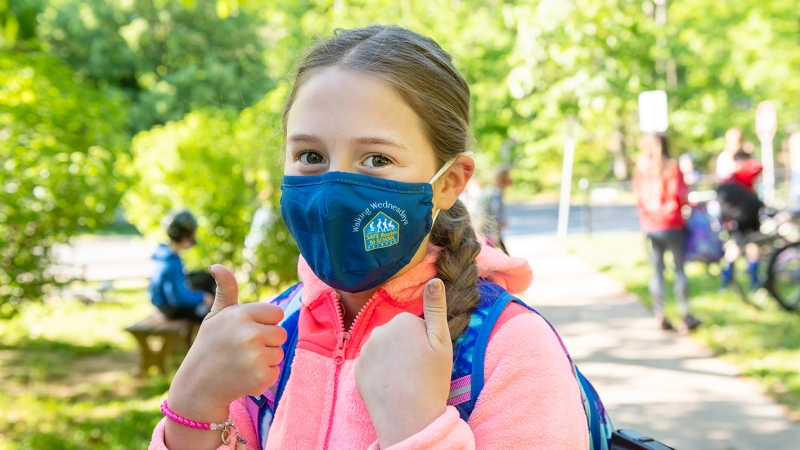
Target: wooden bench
x,y
169,332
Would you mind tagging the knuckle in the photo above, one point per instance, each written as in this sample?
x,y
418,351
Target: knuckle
x,y
273,356
276,335
250,335
251,360
274,311
236,311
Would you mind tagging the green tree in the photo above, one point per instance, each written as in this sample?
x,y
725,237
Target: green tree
x,y
191,164
59,142
222,168
18,21
731,56
168,57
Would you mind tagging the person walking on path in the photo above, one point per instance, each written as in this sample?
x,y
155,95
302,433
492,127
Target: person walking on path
x,y
661,193
168,290
493,208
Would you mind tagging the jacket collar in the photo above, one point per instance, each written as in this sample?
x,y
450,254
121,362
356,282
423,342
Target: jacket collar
x,y
513,274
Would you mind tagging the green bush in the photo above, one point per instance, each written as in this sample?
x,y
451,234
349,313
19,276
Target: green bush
x,y
272,262
222,169
59,142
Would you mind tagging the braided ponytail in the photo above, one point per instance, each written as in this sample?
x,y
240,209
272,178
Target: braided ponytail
x,y
456,265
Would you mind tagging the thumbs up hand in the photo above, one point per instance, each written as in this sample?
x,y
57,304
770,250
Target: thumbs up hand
x,y
403,371
236,353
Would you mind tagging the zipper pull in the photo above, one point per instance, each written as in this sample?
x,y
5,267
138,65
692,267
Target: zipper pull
x,y
338,354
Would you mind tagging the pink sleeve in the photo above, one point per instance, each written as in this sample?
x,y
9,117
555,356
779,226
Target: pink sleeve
x,y
530,400
448,432
241,418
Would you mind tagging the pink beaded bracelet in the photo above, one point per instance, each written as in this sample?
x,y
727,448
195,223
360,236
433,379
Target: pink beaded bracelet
x,y
205,426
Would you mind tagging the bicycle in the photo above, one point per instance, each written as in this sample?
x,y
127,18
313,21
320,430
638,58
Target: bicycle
x,y
783,270
778,241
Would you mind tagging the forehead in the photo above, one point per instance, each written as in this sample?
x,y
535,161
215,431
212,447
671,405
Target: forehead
x,y
338,103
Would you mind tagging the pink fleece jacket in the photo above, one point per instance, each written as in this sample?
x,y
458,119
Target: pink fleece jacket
x,y
530,399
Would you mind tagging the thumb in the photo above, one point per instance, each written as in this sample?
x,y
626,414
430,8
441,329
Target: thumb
x,y
227,289
435,310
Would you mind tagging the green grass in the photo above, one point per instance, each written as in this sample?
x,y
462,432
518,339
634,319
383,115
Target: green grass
x,y
764,342
67,377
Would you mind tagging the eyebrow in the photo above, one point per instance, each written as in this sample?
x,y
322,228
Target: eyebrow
x,y
369,140
310,138
377,141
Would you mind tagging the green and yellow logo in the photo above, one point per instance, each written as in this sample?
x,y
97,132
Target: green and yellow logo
x,y
381,232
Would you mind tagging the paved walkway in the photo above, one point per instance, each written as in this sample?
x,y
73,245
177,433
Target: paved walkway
x,y
659,383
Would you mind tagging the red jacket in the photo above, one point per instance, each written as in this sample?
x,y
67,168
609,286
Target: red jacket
x,y
660,200
747,173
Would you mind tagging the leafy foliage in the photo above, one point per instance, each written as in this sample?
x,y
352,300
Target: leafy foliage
x,y
222,168
166,57
190,164
59,142
206,65
533,63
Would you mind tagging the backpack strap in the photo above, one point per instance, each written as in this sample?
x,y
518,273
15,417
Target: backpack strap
x,y
469,352
262,407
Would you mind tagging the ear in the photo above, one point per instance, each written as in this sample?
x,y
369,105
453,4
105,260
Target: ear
x,y
454,181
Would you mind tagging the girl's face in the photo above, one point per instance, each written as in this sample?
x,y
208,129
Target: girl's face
x,y
344,121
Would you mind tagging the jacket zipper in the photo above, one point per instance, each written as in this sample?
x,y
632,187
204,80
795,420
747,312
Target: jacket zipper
x,y
342,338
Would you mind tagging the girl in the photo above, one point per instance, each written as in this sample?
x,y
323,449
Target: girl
x,y
376,133
661,194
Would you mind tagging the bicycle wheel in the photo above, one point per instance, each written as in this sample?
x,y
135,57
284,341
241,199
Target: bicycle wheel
x,y
742,283
783,276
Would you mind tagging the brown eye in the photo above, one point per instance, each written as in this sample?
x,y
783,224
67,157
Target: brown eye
x,y
377,161
311,158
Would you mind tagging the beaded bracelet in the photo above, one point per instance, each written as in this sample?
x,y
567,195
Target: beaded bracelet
x,y
224,426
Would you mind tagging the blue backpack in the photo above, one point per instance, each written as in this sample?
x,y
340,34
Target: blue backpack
x,y
467,378
702,242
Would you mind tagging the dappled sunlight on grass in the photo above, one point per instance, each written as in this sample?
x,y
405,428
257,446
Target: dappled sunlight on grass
x,y
73,327
67,371
763,341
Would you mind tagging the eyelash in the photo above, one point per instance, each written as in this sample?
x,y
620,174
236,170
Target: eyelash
x,y
390,161
306,153
301,159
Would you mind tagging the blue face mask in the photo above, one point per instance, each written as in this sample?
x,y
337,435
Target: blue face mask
x,y
356,231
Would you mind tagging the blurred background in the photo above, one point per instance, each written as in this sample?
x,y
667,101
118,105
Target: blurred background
x,y
116,113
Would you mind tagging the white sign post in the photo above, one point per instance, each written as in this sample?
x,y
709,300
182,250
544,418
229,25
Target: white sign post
x,y
766,126
566,179
653,112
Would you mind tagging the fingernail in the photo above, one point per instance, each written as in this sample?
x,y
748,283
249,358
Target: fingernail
x,y
435,287
212,273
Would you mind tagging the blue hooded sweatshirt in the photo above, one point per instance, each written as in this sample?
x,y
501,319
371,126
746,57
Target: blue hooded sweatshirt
x,y
168,282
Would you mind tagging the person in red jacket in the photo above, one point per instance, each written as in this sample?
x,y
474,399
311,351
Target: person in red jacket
x,y
742,207
661,193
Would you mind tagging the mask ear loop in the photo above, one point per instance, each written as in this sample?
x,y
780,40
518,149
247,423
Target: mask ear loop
x,y
440,173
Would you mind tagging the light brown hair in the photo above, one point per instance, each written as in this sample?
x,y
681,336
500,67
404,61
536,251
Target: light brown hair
x,y
424,75
654,161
